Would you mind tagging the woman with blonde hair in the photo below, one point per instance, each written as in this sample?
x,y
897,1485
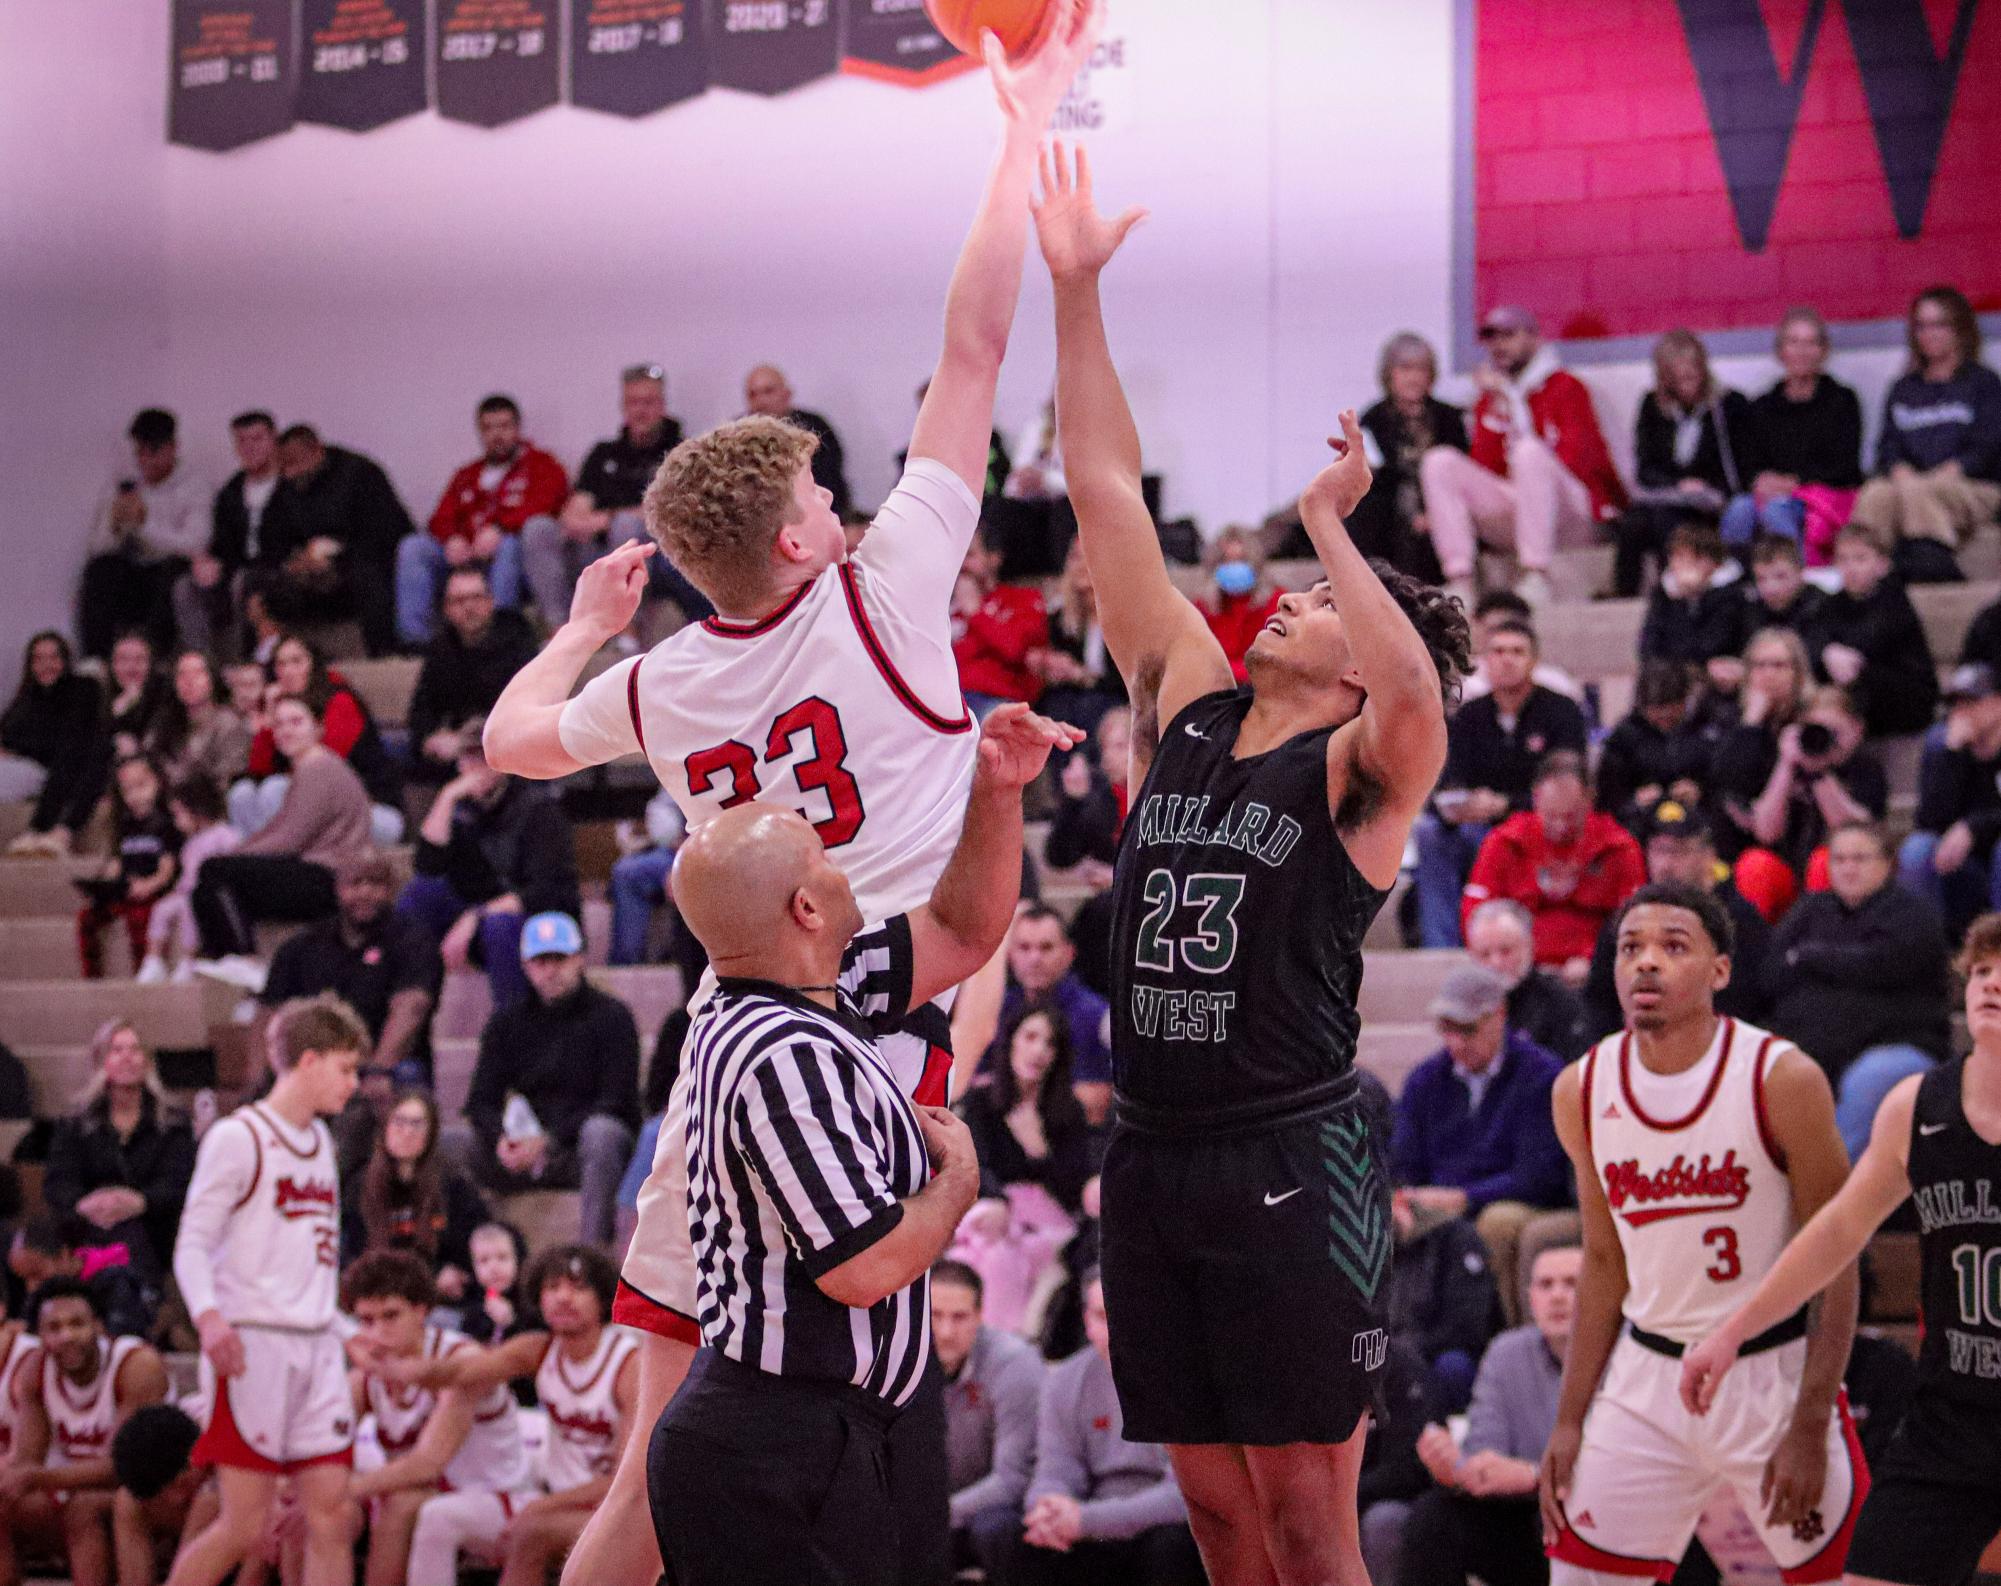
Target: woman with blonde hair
x,y
123,1160
1694,448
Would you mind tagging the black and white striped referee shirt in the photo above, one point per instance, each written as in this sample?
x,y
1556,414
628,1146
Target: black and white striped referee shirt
x,y
801,1148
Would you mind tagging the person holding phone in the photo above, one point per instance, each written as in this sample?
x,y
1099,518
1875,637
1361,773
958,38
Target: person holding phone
x,y
150,525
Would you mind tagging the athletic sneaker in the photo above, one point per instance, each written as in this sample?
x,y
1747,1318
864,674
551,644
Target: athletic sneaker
x,y
246,974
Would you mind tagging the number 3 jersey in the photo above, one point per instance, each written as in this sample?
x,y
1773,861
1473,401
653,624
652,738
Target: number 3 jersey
x,y
1238,920
1693,1176
843,704
260,1232
1956,1182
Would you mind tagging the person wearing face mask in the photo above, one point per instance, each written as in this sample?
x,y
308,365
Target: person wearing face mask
x,y
1239,603
1808,429
1857,976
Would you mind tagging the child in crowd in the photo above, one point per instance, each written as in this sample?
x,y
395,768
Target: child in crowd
x,y
131,883
1691,618
172,941
499,1310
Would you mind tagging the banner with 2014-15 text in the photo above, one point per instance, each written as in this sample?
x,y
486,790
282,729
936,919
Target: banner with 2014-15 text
x,y
249,69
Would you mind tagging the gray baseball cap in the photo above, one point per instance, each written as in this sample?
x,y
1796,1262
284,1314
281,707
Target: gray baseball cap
x,y
1469,994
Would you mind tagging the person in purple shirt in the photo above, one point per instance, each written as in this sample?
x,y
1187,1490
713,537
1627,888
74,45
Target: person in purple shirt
x,y
1040,959
1473,1133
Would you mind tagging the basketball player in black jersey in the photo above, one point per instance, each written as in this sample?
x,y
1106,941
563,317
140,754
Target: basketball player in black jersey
x,y
1246,1229
1936,1501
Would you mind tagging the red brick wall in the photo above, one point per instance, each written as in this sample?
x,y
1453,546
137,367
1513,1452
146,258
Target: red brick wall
x,y
1601,200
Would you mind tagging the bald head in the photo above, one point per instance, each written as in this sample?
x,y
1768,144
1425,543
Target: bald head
x,y
754,881
765,391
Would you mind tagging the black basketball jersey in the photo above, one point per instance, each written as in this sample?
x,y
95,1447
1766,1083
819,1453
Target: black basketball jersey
x,y
1956,1180
1237,925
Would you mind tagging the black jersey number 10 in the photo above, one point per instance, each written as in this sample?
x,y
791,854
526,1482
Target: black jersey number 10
x,y
1212,946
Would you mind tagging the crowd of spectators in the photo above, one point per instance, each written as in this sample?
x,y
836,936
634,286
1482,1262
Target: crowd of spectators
x,y
225,776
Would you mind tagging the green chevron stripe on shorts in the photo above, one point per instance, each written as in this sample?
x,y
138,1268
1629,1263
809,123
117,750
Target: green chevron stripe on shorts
x,y
1360,1242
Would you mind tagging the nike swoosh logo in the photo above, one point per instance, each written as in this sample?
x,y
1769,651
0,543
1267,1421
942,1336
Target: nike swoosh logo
x,y
1273,1200
1189,728
1930,1128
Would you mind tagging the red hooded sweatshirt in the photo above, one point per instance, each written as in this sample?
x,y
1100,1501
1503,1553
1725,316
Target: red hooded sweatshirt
x,y
1560,410
992,645
1572,891
533,486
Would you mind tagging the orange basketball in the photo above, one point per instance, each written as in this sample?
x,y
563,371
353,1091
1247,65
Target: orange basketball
x,y
1018,24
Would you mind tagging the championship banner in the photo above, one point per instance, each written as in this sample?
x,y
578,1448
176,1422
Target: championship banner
x,y
772,46
633,57
893,40
232,79
362,61
1711,162
498,60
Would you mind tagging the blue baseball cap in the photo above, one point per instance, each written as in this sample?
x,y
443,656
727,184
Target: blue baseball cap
x,y
551,933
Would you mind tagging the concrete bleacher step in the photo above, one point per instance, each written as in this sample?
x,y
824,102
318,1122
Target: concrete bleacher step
x,y
39,887
1398,987
385,686
43,947
62,1013
651,991
1391,1051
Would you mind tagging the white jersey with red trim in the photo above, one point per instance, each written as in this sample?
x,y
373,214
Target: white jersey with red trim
x,y
81,1420
491,1459
19,1354
844,704
1696,1184
580,1398
260,1236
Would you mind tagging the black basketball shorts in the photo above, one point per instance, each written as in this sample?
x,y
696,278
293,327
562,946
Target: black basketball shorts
x,y
1936,1499
1246,1278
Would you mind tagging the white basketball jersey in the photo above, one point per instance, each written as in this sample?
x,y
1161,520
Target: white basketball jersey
x,y
492,1457
1695,1182
580,1400
844,704
81,1420
18,1355
277,1263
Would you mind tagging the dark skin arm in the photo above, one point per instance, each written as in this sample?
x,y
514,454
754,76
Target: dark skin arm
x,y
142,1379
1601,1291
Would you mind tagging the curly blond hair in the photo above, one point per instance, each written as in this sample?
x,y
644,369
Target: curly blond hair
x,y
718,502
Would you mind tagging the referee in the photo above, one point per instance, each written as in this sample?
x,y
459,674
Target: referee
x,y
818,1194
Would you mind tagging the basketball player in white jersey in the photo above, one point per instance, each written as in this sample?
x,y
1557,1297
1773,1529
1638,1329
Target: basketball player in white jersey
x,y
20,1371
59,1482
1700,1145
257,1263
824,684
586,1373
449,1442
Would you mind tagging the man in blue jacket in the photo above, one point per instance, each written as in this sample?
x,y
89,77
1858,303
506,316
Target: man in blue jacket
x,y
1473,1131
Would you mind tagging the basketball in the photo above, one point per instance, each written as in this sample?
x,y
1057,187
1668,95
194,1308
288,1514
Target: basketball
x,y
1018,24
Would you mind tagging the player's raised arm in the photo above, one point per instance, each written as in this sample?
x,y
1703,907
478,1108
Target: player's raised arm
x,y
1163,648
1399,739
1820,1252
955,424
1601,1294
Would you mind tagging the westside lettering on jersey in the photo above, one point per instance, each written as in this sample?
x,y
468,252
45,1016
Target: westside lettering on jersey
x,y
1695,1182
1238,920
580,1398
1956,1183
82,1419
260,1236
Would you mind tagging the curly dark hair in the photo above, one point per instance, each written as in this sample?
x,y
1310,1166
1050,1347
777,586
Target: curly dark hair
x,y
1440,620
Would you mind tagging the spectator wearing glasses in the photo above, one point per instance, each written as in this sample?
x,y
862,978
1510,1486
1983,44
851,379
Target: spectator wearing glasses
x,y
479,519
1938,459
412,1197
602,512
1538,469
477,651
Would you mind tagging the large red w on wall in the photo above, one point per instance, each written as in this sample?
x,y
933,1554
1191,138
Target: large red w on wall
x,y
1641,164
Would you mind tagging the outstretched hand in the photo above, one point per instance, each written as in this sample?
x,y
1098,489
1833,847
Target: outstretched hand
x,y
1076,239
1030,90
1339,487
609,591
1015,745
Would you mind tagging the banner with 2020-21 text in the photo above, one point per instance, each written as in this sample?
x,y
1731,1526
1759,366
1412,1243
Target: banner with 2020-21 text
x,y
232,76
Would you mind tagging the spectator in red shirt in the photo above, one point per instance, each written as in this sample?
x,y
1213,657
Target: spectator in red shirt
x,y
1238,601
479,519
995,628
1538,468
1568,865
